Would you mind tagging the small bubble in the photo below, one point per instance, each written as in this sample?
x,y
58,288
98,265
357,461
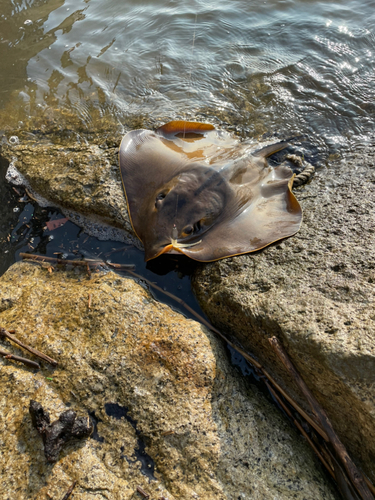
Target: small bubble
x,y
51,237
16,209
28,21
14,140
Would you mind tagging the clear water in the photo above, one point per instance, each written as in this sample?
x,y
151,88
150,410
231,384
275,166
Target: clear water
x,y
284,67
299,67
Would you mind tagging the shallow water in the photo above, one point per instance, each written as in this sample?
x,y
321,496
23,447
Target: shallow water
x,y
288,67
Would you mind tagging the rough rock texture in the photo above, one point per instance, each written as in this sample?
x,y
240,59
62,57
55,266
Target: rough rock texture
x,y
79,177
172,415
316,293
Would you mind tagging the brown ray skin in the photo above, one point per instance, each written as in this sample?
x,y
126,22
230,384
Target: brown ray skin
x,y
242,205
181,127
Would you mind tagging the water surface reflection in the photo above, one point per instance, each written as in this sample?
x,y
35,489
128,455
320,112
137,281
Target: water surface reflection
x,y
292,67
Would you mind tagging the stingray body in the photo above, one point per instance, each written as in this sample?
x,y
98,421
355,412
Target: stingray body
x,y
195,190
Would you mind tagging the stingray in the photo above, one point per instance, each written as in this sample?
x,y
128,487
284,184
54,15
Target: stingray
x,y
196,190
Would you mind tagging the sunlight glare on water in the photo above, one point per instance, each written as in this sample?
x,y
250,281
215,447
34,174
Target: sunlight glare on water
x,y
283,67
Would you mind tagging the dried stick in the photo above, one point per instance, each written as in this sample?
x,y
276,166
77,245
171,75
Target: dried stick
x,y
343,482
369,484
301,429
69,492
25,361
55,260
86,263
142,492
5,333
351,469
120,267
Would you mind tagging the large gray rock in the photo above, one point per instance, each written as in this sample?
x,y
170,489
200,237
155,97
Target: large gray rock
x,y
208,434
316,293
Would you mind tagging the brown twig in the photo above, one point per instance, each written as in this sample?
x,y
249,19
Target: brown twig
x,y
25,361
142,492
69,492
301,429
351,469
65,262
120,267
291,401
5,333
70,262
343,482
369,484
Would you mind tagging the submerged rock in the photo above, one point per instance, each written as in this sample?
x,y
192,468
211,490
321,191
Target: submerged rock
x,y
316,293
171,415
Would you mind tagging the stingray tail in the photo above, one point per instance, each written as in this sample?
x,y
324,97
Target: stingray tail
x,y
271,149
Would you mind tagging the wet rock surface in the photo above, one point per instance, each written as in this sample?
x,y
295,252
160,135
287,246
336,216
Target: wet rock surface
x,y
83,180
316,293
170,414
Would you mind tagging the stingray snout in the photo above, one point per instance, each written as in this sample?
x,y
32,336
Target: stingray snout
x,y
154,250
172,247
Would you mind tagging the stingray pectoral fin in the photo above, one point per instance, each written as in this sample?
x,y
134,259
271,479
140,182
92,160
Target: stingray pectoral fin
x,y
182,127
264,221
271,149
146,166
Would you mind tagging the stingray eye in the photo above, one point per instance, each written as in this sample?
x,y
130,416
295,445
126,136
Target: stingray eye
x,y
160,197
187,230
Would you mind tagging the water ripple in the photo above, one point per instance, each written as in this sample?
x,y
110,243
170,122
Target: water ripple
x,y
292,67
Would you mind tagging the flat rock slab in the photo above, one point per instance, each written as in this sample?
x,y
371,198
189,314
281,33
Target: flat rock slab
x,y
172,416
316,293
